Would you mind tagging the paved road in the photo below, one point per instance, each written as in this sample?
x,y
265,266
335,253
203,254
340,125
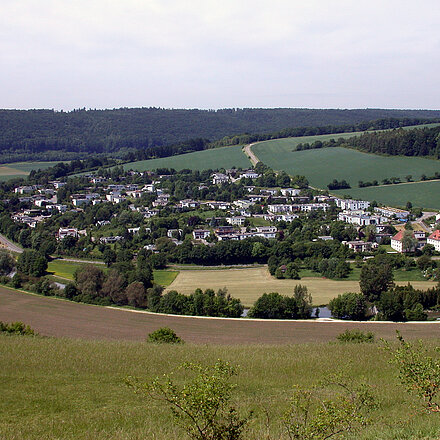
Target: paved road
x,y
9,245
421,221
250,154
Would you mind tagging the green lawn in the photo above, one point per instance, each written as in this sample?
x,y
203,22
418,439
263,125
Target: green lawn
x,y
225,157
165,277
354,275
65,270
73,389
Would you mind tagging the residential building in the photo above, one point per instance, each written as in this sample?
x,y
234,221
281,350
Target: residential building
x,y
434,240
201,234
390,212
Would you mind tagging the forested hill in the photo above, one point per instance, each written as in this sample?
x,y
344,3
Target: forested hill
x,y
104,131
399,142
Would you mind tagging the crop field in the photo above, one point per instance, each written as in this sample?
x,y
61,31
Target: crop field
x,y
225,157
421,194
50,316
250,283
323,165
22,169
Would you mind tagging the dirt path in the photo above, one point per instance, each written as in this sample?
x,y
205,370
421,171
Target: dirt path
x,y
53,317
247,149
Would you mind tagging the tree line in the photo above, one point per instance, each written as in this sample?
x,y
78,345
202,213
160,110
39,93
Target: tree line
x,y
53,135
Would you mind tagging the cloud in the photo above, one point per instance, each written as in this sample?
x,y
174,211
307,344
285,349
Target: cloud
x,y
174,53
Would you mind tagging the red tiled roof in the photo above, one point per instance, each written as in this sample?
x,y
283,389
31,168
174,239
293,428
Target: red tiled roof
x,y
435,235
398,236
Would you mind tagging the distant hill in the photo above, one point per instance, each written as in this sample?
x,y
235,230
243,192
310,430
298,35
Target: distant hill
x,y
29,133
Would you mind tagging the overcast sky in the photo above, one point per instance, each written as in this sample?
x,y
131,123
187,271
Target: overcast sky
x,y
67,54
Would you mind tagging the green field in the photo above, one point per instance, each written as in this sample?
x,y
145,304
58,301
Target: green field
x,y
225,157
165,277
420,194
321,166
74,389
65,270
21,169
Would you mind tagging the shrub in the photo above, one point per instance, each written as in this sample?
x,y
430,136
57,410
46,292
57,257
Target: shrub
x,y
418,372
16,328
201,406
164,335
335,407
357,336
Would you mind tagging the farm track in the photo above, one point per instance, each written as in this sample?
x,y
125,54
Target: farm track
x,y
60,318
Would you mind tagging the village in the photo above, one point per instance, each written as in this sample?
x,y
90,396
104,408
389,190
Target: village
x,y
258,211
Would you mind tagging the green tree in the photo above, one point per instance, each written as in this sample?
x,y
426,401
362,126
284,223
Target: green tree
x,y
375,279
7,262
89,280
32,263
349,305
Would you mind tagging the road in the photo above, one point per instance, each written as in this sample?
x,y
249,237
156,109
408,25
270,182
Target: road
x,y
247,149
9,245
421,221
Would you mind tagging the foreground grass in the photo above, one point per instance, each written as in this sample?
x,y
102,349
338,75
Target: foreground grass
x,y
73,389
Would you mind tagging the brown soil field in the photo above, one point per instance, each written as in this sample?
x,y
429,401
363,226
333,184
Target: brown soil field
x,y
59,318
9,171
250,283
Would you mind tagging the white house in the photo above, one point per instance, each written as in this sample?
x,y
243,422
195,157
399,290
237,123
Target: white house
x,y
352,205
67,232
238,220
201,234
219,178
434,239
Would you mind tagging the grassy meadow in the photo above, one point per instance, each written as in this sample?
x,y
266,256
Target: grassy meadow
x,y
74,389
421,194
249,284
323,165
63,271
22,169
225,157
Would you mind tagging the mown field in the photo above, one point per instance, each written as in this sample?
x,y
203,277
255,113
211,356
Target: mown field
x,y
225,157
421,194
250,283
74,389
321,166
22,169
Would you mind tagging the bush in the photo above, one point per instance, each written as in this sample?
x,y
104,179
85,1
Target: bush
x,y
202,405
16,328
357,336
164,335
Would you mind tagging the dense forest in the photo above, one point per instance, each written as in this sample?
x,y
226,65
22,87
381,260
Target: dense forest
x,y
423,141
48,134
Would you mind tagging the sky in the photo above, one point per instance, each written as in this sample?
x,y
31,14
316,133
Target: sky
x,y
66,54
